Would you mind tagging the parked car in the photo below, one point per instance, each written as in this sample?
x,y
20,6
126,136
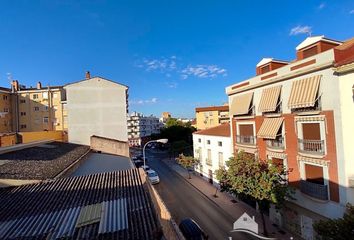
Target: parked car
x,y
138,163
191,230
145,167
153,177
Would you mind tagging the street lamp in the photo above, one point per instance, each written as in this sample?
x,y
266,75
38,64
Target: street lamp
x,y
163,140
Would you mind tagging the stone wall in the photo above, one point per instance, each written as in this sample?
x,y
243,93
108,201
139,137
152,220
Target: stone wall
x,y
108,145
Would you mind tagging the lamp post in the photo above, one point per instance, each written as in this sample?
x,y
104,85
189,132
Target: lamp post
x,y
163,140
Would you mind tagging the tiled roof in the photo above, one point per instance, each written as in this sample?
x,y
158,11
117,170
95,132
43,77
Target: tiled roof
x,y
100,206
213,108
344,54
222,130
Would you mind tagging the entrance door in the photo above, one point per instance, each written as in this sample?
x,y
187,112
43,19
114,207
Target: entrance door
x,y
211,176
306,228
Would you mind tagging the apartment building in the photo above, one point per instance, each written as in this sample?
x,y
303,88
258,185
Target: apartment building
x,y
297,114
213,147
141,127
96,106
5,110
37,108
165,116
207,117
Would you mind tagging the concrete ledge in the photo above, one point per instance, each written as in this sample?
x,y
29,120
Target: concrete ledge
x,y
16,182
23,146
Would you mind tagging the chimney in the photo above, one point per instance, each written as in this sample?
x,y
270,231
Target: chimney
x,y
87,75
15,85
39,85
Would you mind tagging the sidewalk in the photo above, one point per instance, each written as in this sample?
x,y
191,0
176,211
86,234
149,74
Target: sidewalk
x,y
229,204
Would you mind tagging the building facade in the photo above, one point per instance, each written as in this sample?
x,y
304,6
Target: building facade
x,y
212,147
141,127
5,110
293,113
207,117
96,106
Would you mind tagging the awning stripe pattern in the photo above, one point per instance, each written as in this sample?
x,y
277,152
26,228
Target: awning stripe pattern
x,y
269,99
304,92
240,105
270,127
310,118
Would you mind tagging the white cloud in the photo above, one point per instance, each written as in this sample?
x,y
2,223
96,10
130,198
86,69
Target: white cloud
x,y
322,5
161,64
300,30
351,12
171,84
203,71
142,102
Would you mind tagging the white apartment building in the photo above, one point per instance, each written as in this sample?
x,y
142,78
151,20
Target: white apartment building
x,y
213,147
141,127
96,106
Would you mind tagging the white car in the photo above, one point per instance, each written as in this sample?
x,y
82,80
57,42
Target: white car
x,y
153,177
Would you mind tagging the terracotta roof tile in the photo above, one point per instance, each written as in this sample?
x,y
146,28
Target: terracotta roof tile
x,y
222,130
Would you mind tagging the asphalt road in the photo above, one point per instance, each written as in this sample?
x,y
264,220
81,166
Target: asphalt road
x,y
184,201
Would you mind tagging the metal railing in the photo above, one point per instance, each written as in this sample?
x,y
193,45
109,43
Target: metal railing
x,y
275,143
315,190
311,146
251,140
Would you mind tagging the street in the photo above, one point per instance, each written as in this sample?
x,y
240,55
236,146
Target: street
x,y
184,201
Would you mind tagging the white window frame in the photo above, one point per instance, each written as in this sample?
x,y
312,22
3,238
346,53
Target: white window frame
x,y
323,131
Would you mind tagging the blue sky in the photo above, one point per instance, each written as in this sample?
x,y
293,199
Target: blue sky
x,y
173,55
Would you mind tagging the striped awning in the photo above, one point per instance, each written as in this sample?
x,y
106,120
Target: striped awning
x,y
304,92
269,99
310,118
270,127
240,105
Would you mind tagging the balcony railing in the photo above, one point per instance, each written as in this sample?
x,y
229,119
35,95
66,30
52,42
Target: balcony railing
x,y
315,190
277,143
311,146
250,140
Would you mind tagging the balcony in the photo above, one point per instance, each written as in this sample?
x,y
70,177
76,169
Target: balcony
x,y
248,140
277,143
311,146
314,190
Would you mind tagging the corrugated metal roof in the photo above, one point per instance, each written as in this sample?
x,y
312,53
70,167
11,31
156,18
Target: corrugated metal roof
x,y
105,206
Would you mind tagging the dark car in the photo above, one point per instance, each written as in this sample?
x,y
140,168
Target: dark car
x,y
191,230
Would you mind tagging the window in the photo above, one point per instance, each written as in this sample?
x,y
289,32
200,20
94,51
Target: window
x,y
211,121
208,160
23,126
314,174
210,113
4,97
220,144
45,120
208,141
23,113
36,109
199,140
35,96
6,110
245,134
22,101
45,95
200,155
46,108
221,159
311,139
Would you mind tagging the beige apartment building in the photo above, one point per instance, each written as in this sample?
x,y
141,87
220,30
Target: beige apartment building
x,y
207,117
37,109
5,110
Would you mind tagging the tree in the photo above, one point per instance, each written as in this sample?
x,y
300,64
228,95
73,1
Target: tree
x,y
341,229
187,162
261,181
